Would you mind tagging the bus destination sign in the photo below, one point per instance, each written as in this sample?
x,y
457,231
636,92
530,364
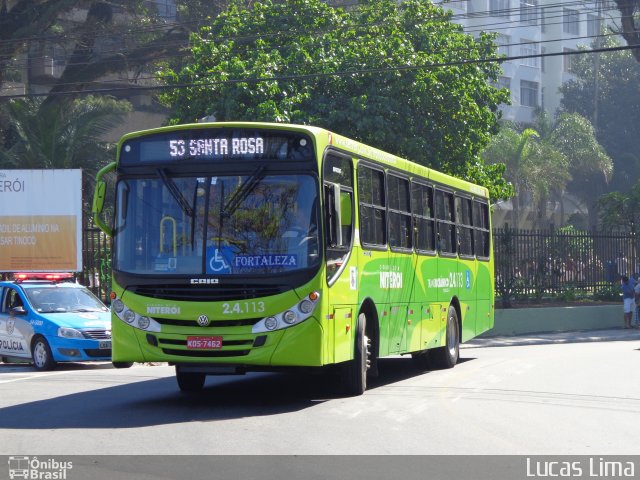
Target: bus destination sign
x,y
210,147
221,144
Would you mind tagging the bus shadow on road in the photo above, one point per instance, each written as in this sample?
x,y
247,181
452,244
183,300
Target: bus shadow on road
x,y
159,402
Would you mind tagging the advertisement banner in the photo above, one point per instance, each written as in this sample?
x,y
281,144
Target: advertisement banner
x,y
40,220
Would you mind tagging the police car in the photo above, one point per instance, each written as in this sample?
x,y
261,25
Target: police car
x,y
47,318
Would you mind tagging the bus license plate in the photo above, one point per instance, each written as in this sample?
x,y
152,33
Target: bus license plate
x,y
198,343
105,345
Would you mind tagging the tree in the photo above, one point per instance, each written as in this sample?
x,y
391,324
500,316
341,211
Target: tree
x,y
397,75
589,166
28,27
609,101
534,167
630,23
620,211
47,137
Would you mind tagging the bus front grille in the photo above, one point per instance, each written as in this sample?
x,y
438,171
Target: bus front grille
x,y
208,293
213,324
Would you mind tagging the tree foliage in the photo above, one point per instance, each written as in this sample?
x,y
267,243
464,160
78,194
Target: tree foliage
x,y
396,75
609,101
620,211
533,165
550,157
630,23
45,136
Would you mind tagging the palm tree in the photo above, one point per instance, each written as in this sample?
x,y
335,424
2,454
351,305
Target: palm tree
x,y
590,167
45,137
533,167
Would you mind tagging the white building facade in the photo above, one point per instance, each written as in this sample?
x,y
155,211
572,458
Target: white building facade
x,y
527,28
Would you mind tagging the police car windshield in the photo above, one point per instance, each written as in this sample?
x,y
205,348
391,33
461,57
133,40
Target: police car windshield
x,y
60,299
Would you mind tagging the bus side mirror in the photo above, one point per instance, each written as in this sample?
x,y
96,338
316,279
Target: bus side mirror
x,y
99,195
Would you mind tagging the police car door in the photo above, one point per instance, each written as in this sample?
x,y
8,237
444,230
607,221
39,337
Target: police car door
x,y
15,331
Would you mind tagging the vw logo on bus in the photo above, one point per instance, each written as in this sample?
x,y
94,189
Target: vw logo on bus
x,y
203,321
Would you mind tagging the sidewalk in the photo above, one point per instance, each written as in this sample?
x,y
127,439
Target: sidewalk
x,y
543,338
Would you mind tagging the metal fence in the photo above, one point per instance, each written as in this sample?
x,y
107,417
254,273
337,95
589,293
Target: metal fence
x,y
566,264
96,261
530,265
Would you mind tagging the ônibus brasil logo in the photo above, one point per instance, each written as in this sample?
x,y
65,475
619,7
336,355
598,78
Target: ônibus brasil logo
x,y
34,468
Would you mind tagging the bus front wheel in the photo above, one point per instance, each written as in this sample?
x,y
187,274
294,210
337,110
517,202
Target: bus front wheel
x,y
190,381
354,374
447,355
122,364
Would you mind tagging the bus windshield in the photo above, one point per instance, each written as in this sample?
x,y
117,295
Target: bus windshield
x,y
219,225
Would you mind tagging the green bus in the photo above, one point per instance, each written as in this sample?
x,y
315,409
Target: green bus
x,y
243,246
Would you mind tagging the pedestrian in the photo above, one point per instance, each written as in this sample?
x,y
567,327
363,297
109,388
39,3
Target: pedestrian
x,y
628,295
636,290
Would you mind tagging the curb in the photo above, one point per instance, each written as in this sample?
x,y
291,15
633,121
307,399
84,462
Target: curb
x,y
546,338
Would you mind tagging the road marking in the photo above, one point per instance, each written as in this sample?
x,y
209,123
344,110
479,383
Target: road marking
x,y
35,375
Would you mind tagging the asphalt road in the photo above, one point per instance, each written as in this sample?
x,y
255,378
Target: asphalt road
x,y
559,394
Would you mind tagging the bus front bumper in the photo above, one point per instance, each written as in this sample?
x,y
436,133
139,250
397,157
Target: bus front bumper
x,y
299,345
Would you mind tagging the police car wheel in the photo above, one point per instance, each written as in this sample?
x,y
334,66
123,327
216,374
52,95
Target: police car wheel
x,y
41,354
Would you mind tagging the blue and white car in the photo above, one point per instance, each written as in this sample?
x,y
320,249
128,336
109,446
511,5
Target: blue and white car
x,y
49,320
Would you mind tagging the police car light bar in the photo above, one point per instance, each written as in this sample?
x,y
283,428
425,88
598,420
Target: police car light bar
x,y
43,276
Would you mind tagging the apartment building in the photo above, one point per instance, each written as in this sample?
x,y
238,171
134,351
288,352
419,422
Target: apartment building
x,y
527,28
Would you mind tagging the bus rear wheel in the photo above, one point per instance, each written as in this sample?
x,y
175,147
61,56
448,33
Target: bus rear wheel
x,y
447,355
190,381
354,373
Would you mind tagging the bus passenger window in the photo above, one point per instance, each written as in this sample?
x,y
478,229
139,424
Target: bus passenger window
x,y
400,231
424,224
372,206
446,226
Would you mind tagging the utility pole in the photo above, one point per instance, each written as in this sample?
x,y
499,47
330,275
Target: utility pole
x,y
596,67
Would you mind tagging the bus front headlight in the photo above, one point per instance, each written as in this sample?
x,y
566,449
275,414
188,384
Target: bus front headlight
x,y
289,317
132,318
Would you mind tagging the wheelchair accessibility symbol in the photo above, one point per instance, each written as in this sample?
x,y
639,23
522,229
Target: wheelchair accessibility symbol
x,y
216,261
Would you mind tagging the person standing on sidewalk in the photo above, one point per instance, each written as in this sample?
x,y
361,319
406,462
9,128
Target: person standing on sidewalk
x,y
628,301
636,290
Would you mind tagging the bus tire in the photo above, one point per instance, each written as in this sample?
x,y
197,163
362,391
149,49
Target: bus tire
x,y
190,381
122,364
447,355
41,354
354,374
421,360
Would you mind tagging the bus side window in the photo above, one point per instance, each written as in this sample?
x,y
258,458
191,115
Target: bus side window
x,y
372,204
423,213
446,232
481,232
463,223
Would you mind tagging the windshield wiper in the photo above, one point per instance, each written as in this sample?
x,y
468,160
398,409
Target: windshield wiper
x,y
243,191
176,193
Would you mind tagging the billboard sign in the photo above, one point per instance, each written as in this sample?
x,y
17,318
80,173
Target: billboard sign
x,y
40,220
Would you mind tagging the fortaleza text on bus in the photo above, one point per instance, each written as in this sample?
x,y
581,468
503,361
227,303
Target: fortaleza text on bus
x,y
208,147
